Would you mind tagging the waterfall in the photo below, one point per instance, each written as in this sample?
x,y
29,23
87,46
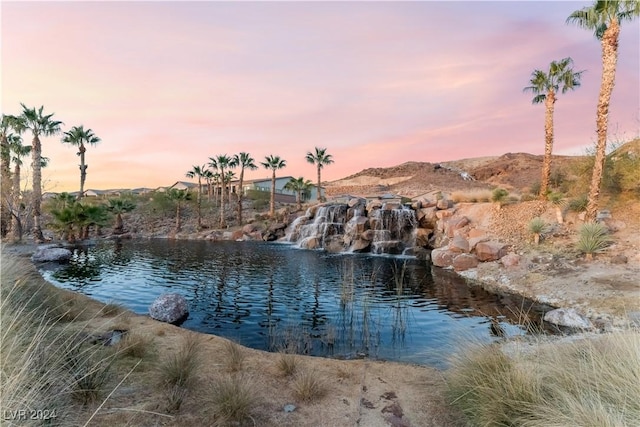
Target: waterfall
x,y
394,229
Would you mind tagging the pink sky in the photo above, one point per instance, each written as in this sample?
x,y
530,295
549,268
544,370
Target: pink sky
x,y
166,85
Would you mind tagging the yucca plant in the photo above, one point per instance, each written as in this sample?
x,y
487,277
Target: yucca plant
x,y
499,195
594,237
537,227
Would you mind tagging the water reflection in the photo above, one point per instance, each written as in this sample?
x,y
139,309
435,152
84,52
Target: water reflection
x,y
274,297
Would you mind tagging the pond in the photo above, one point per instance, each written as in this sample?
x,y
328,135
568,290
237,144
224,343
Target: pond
x,y
273,296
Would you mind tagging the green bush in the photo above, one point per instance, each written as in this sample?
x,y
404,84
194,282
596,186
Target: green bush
x,y
499,195
594,238
578,204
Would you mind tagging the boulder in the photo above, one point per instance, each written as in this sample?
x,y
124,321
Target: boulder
x,y
249,228
464,262
310,243
568,317
510,260
442,257
356,202
360,245
237,235
51,254
459,244
490,251
374,204
454,224
443,204
422,236
170,308
476,232
619,259
473,241
391,206
427,217
447,213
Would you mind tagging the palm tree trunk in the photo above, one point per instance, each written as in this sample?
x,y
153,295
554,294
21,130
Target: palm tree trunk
x,y
36,150
119,228
318,189
83,170
199,203
178,222
222,221
240,194
299,199
16,224
272,201
6,189
548,145
609,60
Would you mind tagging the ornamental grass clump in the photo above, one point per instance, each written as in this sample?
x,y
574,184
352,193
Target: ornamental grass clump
x,y
232,399
499,195
593,238
586,382
177,373
537,226
308,386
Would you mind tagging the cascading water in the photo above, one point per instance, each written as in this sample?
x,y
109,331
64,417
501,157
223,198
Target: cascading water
x,y
385,230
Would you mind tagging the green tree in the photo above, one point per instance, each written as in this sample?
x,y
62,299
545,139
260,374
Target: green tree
x,y
300,186
274,163
320,158
244,161
79,137
8,126
17,152
119,207
221,163
66,216
39,124
604,18
179,197
92,215
198,172
545,85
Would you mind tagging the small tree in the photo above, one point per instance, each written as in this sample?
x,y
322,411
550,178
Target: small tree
x,y
299,186
118,207
178,196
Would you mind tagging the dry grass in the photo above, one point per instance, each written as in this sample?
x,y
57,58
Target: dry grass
x,y
176,373
135,345
112,309
471,196
233,357
308,386
232,399
287,364
587,382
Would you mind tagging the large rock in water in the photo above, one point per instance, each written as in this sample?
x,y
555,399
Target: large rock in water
x,y
568,317
51,254
170,308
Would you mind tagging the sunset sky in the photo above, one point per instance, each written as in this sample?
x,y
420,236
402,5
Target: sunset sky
x,y
166,85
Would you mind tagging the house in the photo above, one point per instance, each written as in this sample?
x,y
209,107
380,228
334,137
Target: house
x,y
265,185
183,185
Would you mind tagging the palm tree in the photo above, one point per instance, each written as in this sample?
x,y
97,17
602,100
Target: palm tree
x,y
18,151
320,158
228,177
604,18
208,176
222,162
79,136
119,207
274,163
299,186
8,125
244,161
40,124
178,196
92,215
545,86
198,172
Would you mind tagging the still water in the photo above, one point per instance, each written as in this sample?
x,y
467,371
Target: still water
x,y
273,296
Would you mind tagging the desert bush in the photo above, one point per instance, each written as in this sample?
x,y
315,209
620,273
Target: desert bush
x,y
499,195
180,368
287,364
528,197
308,386
472,196
233,357
232,398
578,204
586,382
537,226
593,238
534,188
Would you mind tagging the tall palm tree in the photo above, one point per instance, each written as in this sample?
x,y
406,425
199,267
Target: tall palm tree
x,y
319,158
299,186
222,162
8,126
198,172
39,124
244,161
178,196
274,163
604,18
208,176
545,87
79,136
17,151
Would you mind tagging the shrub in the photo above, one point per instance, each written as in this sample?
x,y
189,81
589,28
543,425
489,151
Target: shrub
x,y
584,382
534,188
233,357
287,364
578,204
232,399
537,226
134,345
180,368
499,195
593,238
307,386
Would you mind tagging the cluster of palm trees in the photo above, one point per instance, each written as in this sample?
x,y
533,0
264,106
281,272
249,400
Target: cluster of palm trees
x,y
218,173
603,18
12,150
